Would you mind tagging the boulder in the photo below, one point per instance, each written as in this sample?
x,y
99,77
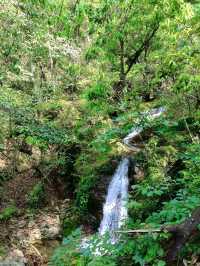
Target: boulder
x,y
14,258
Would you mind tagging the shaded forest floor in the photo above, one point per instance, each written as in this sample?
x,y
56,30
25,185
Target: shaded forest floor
x,y
29,235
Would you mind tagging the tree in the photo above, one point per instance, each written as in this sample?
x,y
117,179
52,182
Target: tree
x,y
126,30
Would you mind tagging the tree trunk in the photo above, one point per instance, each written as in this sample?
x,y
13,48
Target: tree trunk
x,y
122,68
181,234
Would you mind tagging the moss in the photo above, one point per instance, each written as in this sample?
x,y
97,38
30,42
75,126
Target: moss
x,y
2,250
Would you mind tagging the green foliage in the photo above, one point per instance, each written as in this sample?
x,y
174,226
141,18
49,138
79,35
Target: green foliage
x,y
8,212
4,176
101,261
2,251
75,77
68,254
97,92
70,224
36,197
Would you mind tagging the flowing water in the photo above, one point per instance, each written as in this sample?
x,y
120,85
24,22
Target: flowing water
x,y
114,209
135,131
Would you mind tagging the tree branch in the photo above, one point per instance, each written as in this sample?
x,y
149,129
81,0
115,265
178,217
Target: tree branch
x,y
132,60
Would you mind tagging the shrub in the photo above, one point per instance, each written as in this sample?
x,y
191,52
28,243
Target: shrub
x,y
36,197
8,213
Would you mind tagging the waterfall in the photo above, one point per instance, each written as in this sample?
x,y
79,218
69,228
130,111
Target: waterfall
x,y
114,209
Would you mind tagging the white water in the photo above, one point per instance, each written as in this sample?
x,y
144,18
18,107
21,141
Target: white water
x,y
114,209
149,115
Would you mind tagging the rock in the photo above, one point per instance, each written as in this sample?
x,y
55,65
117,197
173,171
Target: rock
x,y
36,156
45,226
23,163
15,258
51,227
27,162
11,263
21,224
47,248
35,235
35,239
3,163
139,173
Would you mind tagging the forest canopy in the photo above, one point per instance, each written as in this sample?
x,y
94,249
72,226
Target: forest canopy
x,y
76,77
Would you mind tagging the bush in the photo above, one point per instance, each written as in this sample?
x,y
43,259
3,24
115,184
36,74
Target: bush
x,y
8,213
36,197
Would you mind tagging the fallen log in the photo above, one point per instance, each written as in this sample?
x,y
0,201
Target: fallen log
x,y
139,231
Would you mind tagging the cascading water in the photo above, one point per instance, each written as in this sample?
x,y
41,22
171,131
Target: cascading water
x,y
149,115
115,210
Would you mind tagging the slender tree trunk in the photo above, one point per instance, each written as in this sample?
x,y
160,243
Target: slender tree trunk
x,y
122,66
